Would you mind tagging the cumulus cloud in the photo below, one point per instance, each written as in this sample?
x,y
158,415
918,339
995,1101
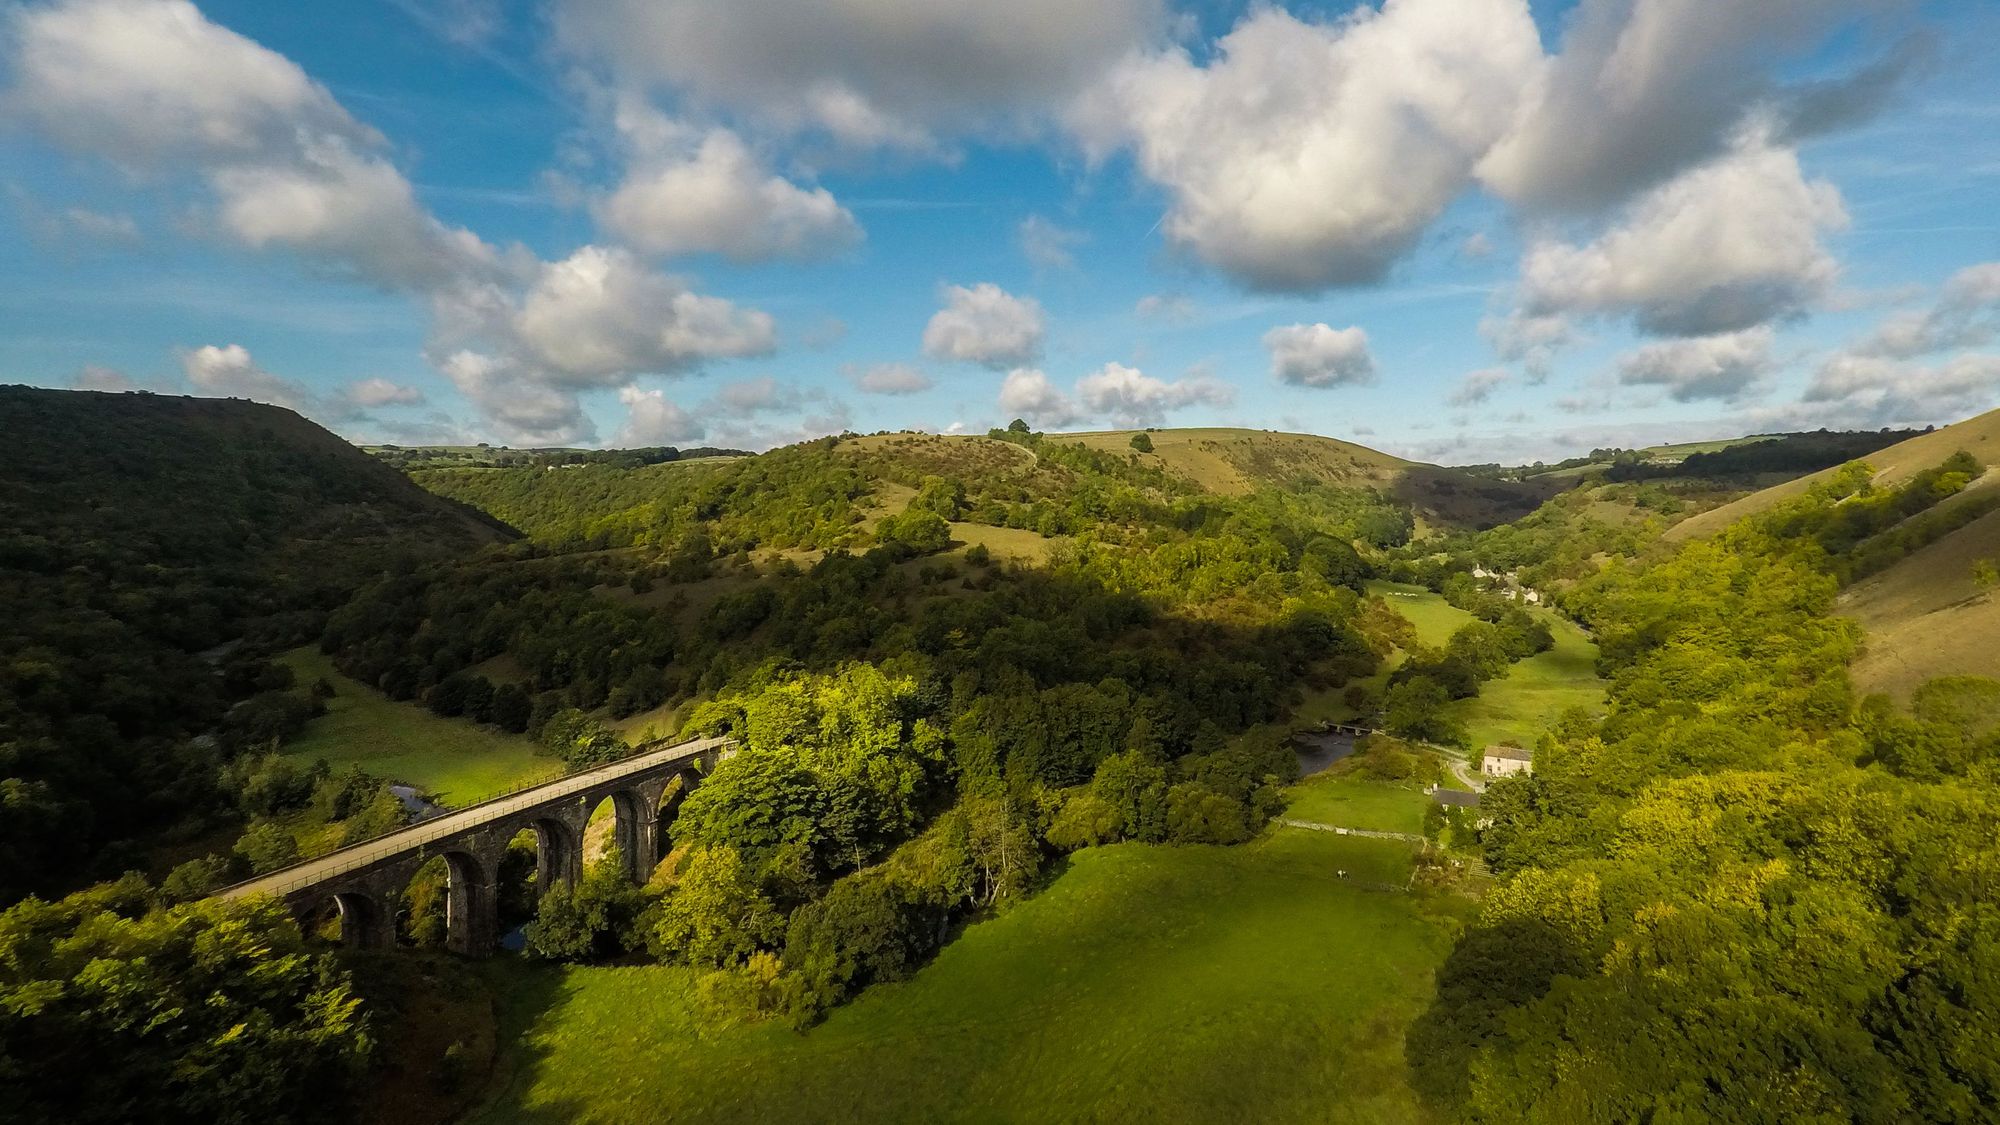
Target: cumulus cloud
x,y
1307,155
156,88
1026,393
375,392
867,72
1316,355
1530,340
1478,386
890,379
1642,89
719,198
153,86
1131,398
1966,315
1880,391
986,325
598,316
1725,367
652,419
1729,245
229,372
1047,245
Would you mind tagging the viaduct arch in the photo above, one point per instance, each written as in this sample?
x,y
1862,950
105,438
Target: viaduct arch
x,y
364,882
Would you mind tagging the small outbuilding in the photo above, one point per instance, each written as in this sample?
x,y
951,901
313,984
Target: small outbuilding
x,y
1506,761
1456,798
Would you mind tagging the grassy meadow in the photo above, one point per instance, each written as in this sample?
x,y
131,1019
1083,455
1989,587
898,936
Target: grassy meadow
x,y
1155,984
1518,706
1352,802
454,760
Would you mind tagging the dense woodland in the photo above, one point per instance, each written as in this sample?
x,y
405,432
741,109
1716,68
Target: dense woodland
x,y
1740,894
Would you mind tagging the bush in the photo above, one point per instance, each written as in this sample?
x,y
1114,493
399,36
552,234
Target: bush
x,y
866,928
267,847
717,914
1197,814
593,919
1085,820
1142,442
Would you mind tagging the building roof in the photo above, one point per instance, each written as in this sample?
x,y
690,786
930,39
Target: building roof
x,y
1456,797
1514,752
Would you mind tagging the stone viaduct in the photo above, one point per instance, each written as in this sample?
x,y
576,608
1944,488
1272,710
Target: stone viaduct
x,y
365,881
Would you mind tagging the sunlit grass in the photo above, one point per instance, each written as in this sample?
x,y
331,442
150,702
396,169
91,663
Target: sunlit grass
x,y
1154,984
454,759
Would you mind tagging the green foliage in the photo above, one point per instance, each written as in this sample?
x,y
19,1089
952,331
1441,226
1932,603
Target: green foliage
x,y
1142,442
716,914
594,919
211,1011
136,532
1711,911
920,531
267,846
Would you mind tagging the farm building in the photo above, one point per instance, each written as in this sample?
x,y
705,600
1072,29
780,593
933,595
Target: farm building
x,y
1506,761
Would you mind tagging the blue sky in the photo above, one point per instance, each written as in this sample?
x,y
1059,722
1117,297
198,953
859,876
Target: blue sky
x,y
1459,230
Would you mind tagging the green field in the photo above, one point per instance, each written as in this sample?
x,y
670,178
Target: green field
x,y
1436,619
1154,984
1517,707
454,760
1353,802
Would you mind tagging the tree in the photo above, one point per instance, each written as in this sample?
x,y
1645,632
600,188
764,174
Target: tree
x,y
1986,574
716,914
1017,426
593,919
211,1011
1142,442
266,847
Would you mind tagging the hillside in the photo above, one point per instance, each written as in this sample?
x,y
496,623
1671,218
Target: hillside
x,y
1979,436
136,532
1234,462
1924,615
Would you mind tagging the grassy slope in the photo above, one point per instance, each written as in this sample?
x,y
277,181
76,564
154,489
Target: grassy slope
x,y
1979,436
1153,984
1924,616
453,759
1235,461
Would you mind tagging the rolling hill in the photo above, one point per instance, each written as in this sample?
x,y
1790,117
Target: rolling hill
x,y
1925,616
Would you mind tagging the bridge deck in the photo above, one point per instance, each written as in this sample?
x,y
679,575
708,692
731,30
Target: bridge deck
x,y
287,879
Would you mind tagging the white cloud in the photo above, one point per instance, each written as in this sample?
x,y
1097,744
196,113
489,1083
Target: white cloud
x,y
986,325
720,199
1171,308
152,85
1530,340
1727,246
1966,315
94,378
598,317
1305,155
101,226
651,419
890,379
1726,366
1130,398
1046,245
1316,355
1478,386
1642,89
1878,391
373,392
230,372
868,72
1027,393
747,398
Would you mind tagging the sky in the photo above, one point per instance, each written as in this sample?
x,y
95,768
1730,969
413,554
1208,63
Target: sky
x,y
1457,230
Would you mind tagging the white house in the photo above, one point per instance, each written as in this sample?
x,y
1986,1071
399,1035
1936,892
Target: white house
x,y
1506,761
